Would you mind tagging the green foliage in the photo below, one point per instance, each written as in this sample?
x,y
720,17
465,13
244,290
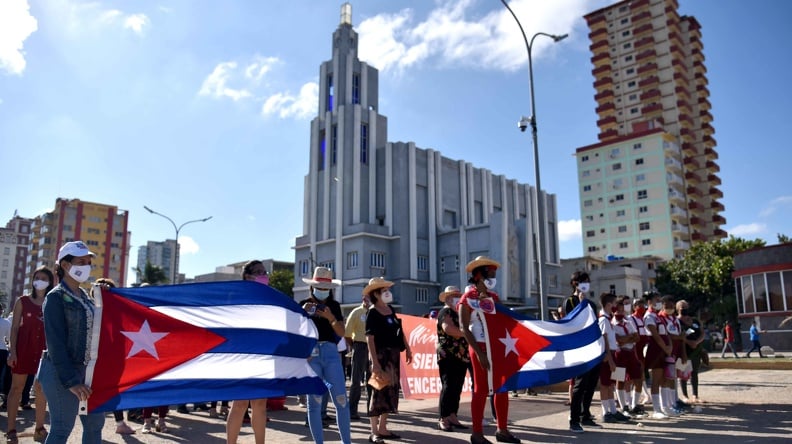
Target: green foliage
x,y
152,274
703,277
283,281
784,239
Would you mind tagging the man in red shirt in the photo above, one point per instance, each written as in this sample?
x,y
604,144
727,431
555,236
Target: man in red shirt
x,y
728,340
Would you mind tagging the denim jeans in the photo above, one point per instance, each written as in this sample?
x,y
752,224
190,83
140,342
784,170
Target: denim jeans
x,y
361,371
327,365
63,407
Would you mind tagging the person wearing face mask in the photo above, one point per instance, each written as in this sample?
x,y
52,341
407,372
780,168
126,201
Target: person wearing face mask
x,y
453,359
386,340
658,348
325,361
26,341
641,394
68,322
694,345
583,385
668,394
254,271
356,338
627,337
474,306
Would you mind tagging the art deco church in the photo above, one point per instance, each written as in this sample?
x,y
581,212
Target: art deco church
x,y
380,208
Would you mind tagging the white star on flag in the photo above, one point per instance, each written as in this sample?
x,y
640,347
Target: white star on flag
x,y
510,343
143,340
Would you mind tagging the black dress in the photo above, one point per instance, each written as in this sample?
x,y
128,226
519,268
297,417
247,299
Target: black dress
x,y
386,331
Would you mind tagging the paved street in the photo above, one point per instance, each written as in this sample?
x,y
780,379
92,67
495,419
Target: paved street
x,y
740,406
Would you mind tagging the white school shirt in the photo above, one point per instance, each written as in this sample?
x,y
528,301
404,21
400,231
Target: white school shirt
x,y
607,330
624,328
651,318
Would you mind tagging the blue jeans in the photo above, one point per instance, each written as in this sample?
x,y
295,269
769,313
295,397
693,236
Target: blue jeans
x,y
63,407
327,365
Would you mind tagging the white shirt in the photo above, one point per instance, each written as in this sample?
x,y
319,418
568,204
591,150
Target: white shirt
x,y
607,330
651,318
5,333
624,328
637,322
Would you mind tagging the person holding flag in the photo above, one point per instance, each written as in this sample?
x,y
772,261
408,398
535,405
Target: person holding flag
x,y
476,306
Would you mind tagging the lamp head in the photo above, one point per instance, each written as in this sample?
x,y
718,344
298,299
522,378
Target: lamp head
x,y
558,38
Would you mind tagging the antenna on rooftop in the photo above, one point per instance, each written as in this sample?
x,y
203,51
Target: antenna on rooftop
x,y
346,14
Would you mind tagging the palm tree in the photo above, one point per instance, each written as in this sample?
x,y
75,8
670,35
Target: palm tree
x,y
152,274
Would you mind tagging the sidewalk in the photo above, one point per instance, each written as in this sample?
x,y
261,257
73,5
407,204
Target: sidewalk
x,y
740,406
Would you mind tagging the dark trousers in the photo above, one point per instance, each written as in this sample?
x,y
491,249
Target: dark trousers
x,y
582,393
361,371
5,372
452,377
695,362
755,345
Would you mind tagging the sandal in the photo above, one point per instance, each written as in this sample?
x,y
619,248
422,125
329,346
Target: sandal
x,y
40,435
161,426
11,437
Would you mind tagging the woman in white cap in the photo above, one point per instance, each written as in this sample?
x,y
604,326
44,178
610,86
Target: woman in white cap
x,y
477,303
453,359
68,321
325,360
26,341
386,340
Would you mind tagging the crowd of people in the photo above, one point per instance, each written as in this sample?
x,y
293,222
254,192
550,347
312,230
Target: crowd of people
x,y
652,346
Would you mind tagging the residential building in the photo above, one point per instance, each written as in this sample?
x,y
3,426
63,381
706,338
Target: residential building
x,y
411,215
104,228
233,272
162,255
649,185
14,244
617,275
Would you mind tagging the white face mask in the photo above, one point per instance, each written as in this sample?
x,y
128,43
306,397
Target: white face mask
x,y
80,273
583,287
38,284
658,306
490,283
627,308
454,302
321,294
386,296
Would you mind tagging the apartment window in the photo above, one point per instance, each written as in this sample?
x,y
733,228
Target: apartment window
x,y
587,203
630,71
363,143
422,295
590,233
620,213
304,268
627,45
584,158
322,148
622,228
423,263
631,84
586,187
623,9
623,245
334,144
6,250
637,146
615,152
626,33
355,88
639,161
640,177
646,241
352,260
624,20
634,110
592,249
617,183
633,97
642,194
619,197
590,218
586,173
329,81
378,260
629,58
643,226
617,166
643,209
330,265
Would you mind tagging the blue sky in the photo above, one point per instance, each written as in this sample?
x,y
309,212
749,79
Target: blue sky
x,y
199,108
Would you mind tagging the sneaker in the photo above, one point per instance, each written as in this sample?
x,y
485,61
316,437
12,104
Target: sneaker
x,y
148,426
658,415
682,405
183,409
608,418
575,428
638,410
620,417
589,422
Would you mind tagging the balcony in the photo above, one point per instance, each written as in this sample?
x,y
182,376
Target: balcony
x,y
642,30
716,193
639,5
600,59
597,22
604,95
710,154
720,234
692,164
698,56
673,164
700,79
678,213
652,108
649,82
686,134
698,237
604,70
705,116
692,178
707,129
715,205
683,104
709,141
704,103
686,120
712,166
679,228
676,196
688,149
641,17
673,37
602,83
718,219
651,94
648,54
682,91
644,42
693,191
605,108
681,245
694,206
678,65
597,45
713,179
607,135
607,123
649,68
598,34
676,51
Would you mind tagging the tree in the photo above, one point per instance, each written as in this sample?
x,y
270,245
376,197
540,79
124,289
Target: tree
x,y
152,274
784,239
703,277
283,281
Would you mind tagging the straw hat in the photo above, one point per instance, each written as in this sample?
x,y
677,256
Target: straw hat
x,y
322,279
375,284
449,291
480,262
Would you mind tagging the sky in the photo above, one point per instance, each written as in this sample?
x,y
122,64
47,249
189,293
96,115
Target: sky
x,y
201,108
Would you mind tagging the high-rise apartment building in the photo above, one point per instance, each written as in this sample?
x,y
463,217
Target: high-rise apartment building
x,y
160,254
104,228
650,185
392,209
14,244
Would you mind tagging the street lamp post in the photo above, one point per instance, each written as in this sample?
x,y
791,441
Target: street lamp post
x,y
174,269
540,204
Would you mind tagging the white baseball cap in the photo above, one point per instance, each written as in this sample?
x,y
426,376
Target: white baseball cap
x,y
75,248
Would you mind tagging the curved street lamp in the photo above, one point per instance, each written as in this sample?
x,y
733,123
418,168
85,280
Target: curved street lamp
x,y
174,269
523,124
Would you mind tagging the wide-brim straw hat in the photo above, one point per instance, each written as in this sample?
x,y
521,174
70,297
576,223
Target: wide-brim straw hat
x,y
375,284
449,291
481,261
322,279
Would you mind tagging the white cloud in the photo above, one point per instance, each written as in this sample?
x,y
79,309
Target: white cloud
x,y
569,230
748,229
450,36
187,245
16,25
136,22
775,204
286,105
215,85
259,67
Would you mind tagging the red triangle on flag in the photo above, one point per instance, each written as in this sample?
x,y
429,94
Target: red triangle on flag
x,y
137,343
511,346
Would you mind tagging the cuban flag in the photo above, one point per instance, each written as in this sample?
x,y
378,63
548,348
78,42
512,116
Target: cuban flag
x,y
213,341
530,353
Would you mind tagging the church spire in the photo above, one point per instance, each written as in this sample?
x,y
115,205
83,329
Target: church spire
x,y
346,14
